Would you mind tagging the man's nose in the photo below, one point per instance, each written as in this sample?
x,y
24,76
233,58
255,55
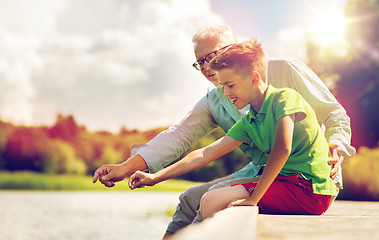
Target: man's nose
x,y
206,65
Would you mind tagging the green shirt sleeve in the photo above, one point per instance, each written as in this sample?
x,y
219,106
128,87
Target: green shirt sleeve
x,y
238,132
289,102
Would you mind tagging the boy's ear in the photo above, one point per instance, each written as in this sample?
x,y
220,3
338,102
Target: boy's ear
x,y
255,77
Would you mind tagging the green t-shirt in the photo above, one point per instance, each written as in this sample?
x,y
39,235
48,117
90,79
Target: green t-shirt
x,y
310,150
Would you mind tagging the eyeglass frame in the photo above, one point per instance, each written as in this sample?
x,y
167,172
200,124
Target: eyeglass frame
x,y
197,64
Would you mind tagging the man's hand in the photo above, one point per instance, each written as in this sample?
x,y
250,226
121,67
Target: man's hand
x,y
334,161
141,179
109,174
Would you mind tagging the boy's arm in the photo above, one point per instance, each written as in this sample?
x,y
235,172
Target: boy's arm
x,y
276,160
196,159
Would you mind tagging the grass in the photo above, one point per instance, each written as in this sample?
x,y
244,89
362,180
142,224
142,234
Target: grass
x,y
37,181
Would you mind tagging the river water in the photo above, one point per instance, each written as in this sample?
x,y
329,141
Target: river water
x,y
85,215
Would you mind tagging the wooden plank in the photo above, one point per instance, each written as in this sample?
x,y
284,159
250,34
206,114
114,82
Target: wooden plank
x,y
231,223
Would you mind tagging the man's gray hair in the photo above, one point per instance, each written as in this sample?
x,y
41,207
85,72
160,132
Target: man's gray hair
x,y
223,33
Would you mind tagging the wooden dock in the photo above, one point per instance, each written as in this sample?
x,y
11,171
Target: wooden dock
x,y
345,220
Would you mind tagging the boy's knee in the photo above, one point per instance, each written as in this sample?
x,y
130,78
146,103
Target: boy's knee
x,y
204,199
206,204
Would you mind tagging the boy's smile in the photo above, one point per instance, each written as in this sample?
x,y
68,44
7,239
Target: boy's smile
x,y
242,88
233,100
237,88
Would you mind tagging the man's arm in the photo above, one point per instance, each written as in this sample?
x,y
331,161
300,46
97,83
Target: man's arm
x,y
194,160
169,145
163,149
289,72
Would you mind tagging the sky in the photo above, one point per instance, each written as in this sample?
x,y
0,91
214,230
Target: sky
x,y
128,63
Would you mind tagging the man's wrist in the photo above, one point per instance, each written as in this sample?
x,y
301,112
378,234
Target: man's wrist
x,y
156,178
133,164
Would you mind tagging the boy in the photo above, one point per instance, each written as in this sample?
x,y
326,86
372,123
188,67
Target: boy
x,y
296,177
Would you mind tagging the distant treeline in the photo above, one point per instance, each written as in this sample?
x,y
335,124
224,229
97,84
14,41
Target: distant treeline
x,y
65,147
68,148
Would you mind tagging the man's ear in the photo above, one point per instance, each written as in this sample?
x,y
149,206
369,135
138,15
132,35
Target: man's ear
x,y
255,78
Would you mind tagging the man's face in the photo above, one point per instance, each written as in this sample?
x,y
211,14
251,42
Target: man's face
x,y
238,88
202,49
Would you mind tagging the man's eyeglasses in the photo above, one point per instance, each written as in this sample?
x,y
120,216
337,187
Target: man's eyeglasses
x,y
200,63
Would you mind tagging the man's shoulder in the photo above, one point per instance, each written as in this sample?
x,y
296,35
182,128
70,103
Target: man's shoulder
x,y
282,60
284,92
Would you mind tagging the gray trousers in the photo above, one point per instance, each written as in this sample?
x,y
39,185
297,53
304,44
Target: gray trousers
x,y
187,211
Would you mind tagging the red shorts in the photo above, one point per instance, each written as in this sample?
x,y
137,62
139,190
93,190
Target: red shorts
x,y
290,195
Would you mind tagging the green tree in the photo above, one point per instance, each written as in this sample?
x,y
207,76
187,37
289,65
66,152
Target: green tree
x,y
66,128
25,149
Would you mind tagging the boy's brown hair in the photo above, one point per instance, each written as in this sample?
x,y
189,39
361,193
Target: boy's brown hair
x,y
246,57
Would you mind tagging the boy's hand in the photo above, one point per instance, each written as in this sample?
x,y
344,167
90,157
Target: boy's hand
x,y
242,202
334,161
141,179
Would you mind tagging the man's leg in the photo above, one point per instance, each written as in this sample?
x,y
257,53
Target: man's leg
x,y
188,205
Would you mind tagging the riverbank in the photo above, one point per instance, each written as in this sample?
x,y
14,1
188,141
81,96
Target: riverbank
x,y
45,182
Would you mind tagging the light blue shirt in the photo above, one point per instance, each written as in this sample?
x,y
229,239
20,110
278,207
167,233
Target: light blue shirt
x,y
215,110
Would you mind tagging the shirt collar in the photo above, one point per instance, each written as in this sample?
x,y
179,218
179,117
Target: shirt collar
x,y
253,115
228,105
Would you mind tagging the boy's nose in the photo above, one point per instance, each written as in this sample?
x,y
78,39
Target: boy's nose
x,y
226,92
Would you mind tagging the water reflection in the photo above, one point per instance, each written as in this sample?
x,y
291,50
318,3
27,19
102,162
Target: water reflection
x,y
84,215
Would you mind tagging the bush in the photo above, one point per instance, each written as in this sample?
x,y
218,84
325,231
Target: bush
x,y
360,176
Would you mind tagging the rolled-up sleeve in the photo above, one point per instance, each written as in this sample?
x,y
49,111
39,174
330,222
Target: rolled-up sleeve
x,y
328,111
170,144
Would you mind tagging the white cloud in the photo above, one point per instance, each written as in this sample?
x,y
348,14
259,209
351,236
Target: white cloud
x,y
291,42
110,63
18,58
35,17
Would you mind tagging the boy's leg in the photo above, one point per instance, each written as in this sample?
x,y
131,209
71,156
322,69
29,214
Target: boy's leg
x,y
292,195
226,183
218,199
189,203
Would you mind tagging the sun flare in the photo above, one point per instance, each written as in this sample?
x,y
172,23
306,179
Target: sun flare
x,y
329,28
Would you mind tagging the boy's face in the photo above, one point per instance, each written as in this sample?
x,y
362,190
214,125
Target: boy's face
x,y
237,87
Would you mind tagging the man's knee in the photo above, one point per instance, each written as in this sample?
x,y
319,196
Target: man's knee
x,y
192,194
219,185
230,182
